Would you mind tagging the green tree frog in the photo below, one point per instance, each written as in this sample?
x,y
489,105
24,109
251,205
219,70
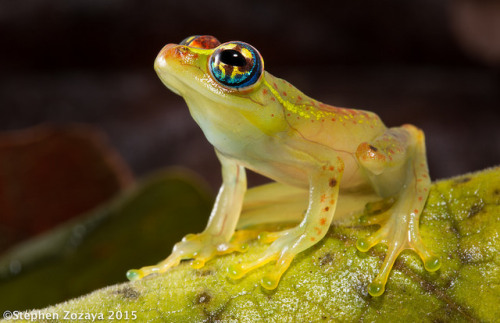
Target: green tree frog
x,y
317,153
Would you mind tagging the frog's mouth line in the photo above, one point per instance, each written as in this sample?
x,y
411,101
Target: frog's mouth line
x,y
176,84
162,70
168,79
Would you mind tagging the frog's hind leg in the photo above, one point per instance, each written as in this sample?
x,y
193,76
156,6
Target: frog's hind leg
x,y
272,203
377,212
283,203
396,165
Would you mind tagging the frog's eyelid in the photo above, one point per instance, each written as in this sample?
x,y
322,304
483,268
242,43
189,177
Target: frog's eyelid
x,y
186,41
201,42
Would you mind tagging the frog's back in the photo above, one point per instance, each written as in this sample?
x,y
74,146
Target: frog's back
x,y
335,127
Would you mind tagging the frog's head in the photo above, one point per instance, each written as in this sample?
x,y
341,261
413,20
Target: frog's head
x,y
203,65
223,84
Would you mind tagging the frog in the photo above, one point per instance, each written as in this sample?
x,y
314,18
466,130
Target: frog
x,y
325,163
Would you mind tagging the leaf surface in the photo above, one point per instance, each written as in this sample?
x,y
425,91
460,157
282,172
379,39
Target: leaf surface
x,y
461,224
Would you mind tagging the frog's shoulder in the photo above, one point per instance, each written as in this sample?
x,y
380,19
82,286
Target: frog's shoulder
x,y
300,106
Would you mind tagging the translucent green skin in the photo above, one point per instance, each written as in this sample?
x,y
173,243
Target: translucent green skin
x,y
313,151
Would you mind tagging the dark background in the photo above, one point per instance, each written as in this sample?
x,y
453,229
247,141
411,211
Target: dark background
x,y
431,63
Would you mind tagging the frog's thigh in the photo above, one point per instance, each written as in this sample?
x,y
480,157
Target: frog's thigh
x,y
283,203
273,203
396,165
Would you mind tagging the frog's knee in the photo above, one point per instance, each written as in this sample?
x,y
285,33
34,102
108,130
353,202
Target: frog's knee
x,y
371,158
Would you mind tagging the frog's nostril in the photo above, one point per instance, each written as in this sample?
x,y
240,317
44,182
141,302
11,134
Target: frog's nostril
x,y
180,50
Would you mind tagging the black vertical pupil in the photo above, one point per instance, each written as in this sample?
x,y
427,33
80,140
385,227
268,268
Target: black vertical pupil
x,y
232,57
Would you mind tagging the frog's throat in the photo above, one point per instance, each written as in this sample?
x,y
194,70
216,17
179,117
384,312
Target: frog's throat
x,y
303,110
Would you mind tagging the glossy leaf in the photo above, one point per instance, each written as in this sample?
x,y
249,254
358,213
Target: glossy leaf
x,y
461,223
97,249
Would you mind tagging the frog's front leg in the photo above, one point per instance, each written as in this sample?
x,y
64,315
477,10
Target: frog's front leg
x,y
396,165
216,238
324,182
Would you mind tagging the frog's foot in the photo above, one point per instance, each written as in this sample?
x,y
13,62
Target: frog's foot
x,y
371,219
268,237
377,212
398,232
281,250
201,248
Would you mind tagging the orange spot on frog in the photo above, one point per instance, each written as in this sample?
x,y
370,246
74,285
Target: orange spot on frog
x,y
332,182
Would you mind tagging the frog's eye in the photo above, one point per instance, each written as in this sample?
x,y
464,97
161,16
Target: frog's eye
x,y
205,42
236,65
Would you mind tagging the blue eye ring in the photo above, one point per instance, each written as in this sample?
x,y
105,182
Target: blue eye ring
x,y
236,65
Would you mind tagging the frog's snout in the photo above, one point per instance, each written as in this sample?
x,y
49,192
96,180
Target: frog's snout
x,y
172,51
168,51
165,52
165,64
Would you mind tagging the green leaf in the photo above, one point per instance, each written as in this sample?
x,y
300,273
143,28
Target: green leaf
x,y
461,224
97,249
